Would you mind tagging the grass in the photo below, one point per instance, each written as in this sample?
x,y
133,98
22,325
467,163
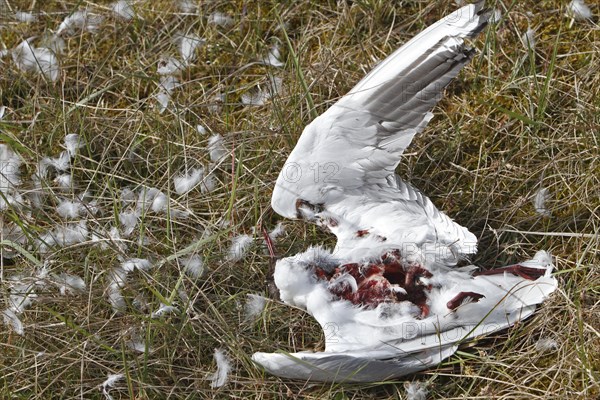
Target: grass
x,y
512,122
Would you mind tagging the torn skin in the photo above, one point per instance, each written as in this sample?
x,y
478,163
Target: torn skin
x,y
463,298
387,281
301,203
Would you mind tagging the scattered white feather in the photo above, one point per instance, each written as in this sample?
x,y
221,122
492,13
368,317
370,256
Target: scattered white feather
x,y
168,83
163,99
36,59
255,304
64,181
579,10
146,197
416,391
539,201
201,130
11,319
118,277
128,197
116,299
41,172
73,233
259,97
88,202
273,57
216,148
21,297
183,183
109,383
545,345
128,220
220,19
136,263
14,200
70,209
188,44
137,345
277,231
117,280
53,43
27,17
61,163
73,143
65,235
37,192
164,309
160,202
169,66
115,236
528,39
10,162
255,98
187,6
209,183
104,239
123,9
193,266
79,21
219,378
239,247
3,110
69,284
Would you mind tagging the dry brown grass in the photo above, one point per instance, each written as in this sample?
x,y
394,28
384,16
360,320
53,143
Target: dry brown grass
x,y
511,123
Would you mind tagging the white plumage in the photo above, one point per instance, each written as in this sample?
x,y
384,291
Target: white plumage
x,y
219,378
36,59
389,297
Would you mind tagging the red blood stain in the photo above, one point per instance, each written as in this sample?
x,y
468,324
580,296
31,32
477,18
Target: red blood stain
x,y
461,297
375,282
519,270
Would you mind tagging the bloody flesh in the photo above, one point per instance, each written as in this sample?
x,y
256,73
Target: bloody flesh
x,y
388,281
462,298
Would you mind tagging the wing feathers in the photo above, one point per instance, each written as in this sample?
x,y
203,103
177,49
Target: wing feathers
x,y
362,136
465,22
404,99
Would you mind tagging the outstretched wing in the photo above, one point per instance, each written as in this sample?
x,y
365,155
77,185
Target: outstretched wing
x,y
347,156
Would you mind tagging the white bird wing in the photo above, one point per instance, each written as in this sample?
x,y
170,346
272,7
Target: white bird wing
x,y
347,367
347,156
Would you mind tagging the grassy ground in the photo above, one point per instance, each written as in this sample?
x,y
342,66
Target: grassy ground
x,y
513,122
